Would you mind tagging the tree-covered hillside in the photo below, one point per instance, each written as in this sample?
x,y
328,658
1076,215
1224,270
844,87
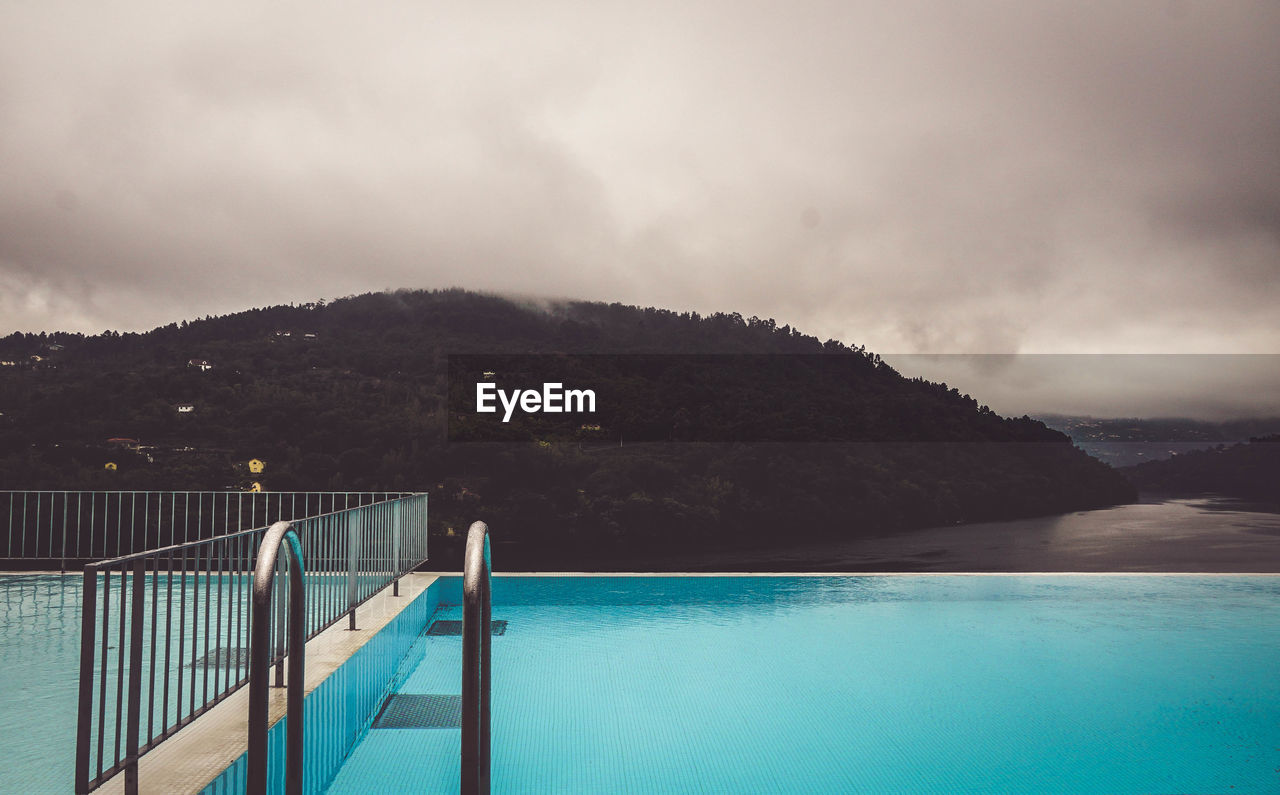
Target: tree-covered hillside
x,y
352,395
1250,469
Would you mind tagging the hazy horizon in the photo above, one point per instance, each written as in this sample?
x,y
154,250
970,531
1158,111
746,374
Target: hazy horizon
x,y
1206,387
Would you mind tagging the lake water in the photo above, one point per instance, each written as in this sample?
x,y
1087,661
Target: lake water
x,y
1205,534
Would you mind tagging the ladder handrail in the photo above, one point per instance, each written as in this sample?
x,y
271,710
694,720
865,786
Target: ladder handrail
x,y
280,533
476,640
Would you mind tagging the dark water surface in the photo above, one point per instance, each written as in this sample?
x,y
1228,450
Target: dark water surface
x,y
1202,534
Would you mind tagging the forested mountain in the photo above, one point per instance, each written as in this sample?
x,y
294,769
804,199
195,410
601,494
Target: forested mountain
x,y
352,395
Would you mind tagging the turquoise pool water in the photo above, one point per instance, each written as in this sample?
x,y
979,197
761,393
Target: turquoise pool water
x,y
39,666
919,684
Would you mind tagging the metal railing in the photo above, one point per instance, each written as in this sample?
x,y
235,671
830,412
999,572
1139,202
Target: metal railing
x,y
476,639
280,534
66,529
165,632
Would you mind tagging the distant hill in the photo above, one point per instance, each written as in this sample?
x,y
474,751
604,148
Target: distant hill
x,y
1126,441
351,395
1250,469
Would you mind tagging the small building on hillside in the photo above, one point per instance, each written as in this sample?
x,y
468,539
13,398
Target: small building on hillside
x,y
200,364
185,408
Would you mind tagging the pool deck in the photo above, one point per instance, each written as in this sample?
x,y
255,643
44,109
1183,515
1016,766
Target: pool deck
x,y
193,757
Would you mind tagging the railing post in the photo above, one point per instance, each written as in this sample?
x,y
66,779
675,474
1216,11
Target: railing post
x,y
396,511
84,721
476,640
135,677
353,565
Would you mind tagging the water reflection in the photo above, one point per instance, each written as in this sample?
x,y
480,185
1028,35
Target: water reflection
x,y
1206,534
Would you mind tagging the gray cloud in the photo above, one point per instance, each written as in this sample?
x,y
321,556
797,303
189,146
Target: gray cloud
x,y
916,176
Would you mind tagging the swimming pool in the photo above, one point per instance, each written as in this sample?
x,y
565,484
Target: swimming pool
x,y
853,684
921,683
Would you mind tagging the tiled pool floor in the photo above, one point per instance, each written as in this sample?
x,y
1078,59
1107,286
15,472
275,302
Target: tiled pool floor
x,y
913,684
426,759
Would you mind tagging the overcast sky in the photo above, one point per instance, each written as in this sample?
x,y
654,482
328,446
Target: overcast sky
x,y
918,177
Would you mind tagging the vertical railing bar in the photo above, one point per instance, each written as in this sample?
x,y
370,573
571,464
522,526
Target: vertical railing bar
x,y
79,523
92,505
195,623
135,676
84,718
225,669
102,680
395,552
120,649
63,565
239,594
182,637
354,522
36,540
168,637
133,519
155,621
208,609
330,574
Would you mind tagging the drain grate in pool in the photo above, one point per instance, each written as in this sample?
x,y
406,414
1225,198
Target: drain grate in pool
x,y
223,657
443,627
420,711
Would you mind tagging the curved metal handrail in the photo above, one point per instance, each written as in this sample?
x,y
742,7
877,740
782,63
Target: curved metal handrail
x,y
260,660
476,639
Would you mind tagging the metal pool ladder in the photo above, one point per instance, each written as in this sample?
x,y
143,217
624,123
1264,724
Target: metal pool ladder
x,y
476,610
280,534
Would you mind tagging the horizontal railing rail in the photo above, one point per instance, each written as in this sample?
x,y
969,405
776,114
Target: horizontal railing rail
x,y
165,632
66,529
